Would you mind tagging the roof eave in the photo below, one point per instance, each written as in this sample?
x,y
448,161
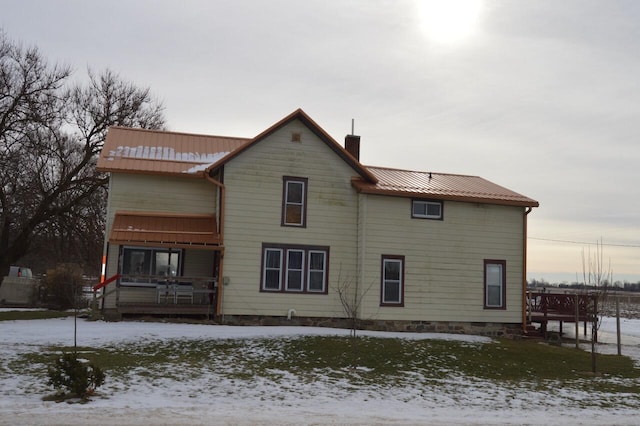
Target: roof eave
x,y
368,189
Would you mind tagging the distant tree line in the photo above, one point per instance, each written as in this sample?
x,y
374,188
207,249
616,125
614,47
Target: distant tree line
x,y
616,286
52,200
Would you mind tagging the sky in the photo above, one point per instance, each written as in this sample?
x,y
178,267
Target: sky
x,y
539,96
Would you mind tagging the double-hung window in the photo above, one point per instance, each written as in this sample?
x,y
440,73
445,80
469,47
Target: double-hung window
x,y
291,269
294,201
424,209
495,284
392,286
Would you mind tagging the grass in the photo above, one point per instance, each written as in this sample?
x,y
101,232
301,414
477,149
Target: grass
x,y
502,368
381,362
31,315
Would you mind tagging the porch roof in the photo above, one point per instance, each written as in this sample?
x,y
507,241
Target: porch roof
x,y
165,230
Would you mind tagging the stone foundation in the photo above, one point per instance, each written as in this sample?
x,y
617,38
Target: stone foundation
x,y
475,328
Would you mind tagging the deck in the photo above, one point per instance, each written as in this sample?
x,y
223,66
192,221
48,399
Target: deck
x,y
543,307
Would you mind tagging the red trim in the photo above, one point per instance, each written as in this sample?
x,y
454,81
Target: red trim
x,y
105,283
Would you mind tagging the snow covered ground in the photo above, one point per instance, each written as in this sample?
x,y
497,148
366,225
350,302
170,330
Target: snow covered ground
x,y
207,399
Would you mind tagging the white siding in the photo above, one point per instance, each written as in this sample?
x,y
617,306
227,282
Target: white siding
x,y
444,259
254,182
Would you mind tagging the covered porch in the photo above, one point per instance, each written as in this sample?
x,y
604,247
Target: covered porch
x,y
167,265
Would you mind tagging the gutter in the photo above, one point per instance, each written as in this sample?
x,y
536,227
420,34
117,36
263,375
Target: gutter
x,y
524,269
221,232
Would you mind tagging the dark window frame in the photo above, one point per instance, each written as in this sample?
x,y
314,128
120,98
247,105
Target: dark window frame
x,y
428,201
286,203
503,286
383,280
284,268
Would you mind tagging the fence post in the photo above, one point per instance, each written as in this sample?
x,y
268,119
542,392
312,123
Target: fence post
x,y
577,321
618,324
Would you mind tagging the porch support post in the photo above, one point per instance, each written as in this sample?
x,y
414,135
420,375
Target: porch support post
x,y
221,207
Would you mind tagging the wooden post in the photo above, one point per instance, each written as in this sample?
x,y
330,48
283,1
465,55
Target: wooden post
x,y
618,325
577,318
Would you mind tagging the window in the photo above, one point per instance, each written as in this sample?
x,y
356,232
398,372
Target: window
x,y
301,269
494,284
426,209
140,262
295,270
317,271
294,201
272,276
392,291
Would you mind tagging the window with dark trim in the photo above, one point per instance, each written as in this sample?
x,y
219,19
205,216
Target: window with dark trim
x,y
426,209
294,268
141,262
495,277
294,201
392,281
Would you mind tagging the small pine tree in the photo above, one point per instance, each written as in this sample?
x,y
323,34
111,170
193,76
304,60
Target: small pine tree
x,y
74,378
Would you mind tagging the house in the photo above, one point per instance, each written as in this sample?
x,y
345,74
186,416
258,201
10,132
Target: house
x,y
273,229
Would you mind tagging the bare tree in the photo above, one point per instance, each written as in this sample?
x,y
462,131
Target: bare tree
x,y
351,297
598,277
51,132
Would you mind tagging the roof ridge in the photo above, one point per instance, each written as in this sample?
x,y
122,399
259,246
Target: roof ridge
x,y
422,171
202,135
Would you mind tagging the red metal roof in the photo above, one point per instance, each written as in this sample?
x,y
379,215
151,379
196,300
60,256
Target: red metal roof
x,y
165,229
441,186
153,151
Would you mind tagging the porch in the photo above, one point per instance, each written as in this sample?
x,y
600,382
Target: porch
x,y
543,307
161,296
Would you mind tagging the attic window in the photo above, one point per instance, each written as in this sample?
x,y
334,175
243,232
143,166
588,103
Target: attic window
x,y
296,137
423,209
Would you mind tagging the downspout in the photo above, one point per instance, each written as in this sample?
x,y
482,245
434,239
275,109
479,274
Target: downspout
x,y
524,269
219,313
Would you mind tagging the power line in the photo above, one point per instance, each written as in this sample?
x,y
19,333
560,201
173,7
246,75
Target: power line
x,y
584,243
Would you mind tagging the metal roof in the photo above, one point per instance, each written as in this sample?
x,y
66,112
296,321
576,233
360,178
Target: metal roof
x,y
153,151
165,230
161,152
408,183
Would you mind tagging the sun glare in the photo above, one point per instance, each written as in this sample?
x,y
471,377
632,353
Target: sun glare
x,y
449,21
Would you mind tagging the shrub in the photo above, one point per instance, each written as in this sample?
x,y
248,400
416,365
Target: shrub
x,y
74,378
64,285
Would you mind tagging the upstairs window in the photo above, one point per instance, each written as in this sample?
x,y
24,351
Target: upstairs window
x,y
294,201
423,209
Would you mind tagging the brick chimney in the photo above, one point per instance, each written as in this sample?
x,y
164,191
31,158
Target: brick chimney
x,y
352,145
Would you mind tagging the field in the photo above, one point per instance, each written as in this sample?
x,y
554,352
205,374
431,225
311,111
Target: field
x,y
164,373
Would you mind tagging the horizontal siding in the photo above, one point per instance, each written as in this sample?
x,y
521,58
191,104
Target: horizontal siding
x,y
253,184
444,259
149,193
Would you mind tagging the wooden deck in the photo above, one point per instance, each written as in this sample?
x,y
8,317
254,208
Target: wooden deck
x,y
544,307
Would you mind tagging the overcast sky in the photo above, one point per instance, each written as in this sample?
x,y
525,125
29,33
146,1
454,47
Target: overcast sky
x,y
542,97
